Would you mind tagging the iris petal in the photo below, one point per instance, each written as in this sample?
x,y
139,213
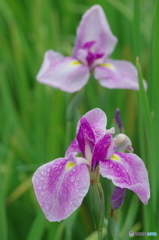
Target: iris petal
x,y
65,73
128,172
60,187
95,28
117,74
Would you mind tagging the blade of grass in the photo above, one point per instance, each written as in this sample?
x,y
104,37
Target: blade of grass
x,y
21,189
130,217
144,101
38,227
60,231
141,128
149,225
52,230
154,97
3,222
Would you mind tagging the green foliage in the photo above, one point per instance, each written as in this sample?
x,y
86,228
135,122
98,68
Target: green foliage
x,y
33,127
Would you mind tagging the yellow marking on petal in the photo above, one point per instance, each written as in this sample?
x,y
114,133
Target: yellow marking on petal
x,y
108,65
115,157
75,62
69,165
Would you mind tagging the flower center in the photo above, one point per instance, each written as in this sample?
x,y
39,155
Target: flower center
x,y
92,58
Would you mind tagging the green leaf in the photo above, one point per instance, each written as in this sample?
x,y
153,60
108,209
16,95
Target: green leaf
x,y
38,227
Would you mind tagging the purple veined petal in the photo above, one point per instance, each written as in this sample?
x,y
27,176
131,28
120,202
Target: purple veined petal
x,y
60,187
127,170
123,143
117,74
117,198
94,27
73,149
102,150
97,120
65,73
85,138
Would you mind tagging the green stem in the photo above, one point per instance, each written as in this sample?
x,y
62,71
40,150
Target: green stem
x,y
100,235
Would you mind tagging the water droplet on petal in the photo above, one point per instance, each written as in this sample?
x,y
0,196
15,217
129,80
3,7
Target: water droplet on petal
x,y
47,206
72,178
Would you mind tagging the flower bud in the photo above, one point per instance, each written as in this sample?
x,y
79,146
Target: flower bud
x,y
97,204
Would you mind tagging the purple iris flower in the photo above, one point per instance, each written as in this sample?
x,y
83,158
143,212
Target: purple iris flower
x,y
61,185
93,46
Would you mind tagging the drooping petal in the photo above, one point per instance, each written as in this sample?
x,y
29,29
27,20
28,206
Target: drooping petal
x,y
95,28
117,74
127,170
97,120
117,197
123,143
104,148
65,73
60,187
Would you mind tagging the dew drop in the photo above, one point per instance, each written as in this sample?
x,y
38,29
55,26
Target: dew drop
x,y
47,206
44,186
72,178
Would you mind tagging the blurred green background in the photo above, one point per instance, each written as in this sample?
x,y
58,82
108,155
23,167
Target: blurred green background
x,y
38,122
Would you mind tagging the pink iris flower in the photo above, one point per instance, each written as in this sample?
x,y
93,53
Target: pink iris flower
x,y
61,185
93,46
